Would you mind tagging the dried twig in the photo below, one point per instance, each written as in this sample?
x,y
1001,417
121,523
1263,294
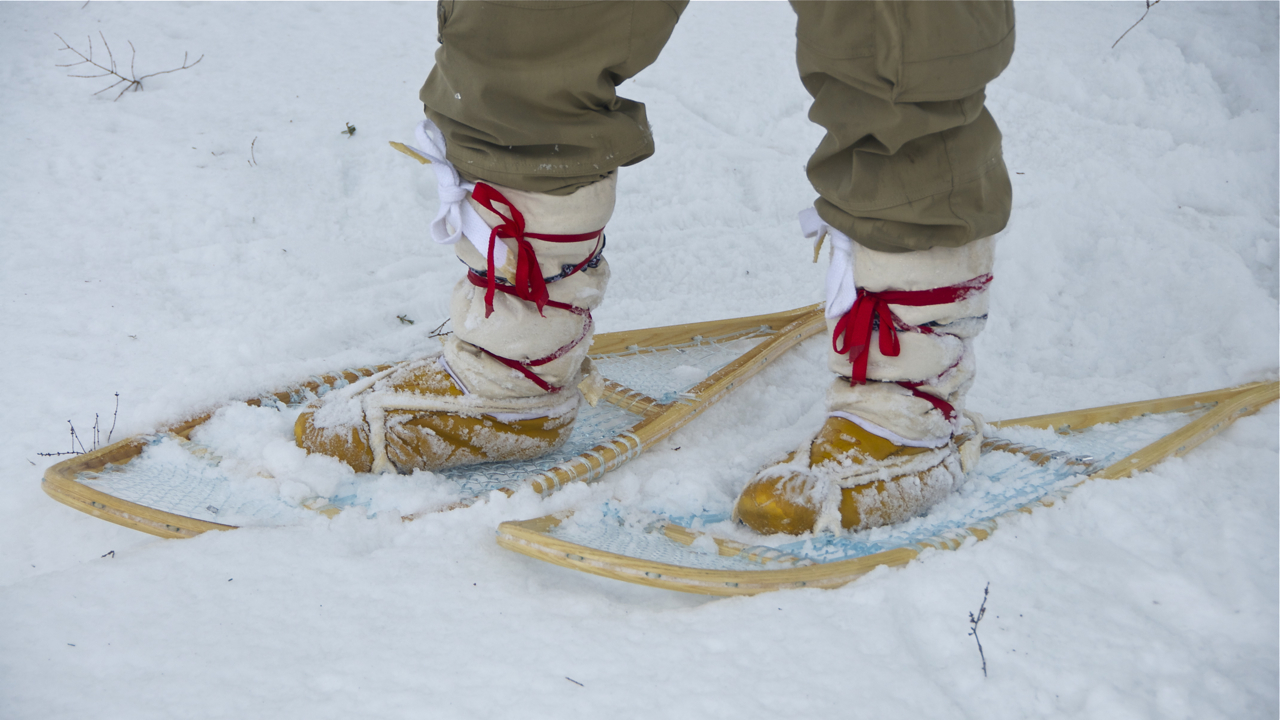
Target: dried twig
x,y
437,332
114,416
97,435
253,161
973,623
130,82
1150,4
75,440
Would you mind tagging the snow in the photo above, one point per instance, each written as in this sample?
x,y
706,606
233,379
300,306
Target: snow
x,y
144,252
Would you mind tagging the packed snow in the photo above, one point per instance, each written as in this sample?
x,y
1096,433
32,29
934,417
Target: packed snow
x,y
210,237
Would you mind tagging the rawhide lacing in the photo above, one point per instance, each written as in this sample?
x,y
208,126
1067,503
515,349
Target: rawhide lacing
x,y
529,284
871,315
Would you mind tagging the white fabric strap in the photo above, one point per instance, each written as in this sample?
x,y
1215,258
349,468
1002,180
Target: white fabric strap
x,y
456,217
454,376
888,434
376,405
841,292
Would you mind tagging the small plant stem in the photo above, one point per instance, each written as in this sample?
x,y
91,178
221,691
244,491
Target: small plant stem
x,y
1150,4
973,623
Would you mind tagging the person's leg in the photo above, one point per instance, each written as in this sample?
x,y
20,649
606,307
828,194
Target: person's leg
x,y
526,92
528,133
911,159
911,188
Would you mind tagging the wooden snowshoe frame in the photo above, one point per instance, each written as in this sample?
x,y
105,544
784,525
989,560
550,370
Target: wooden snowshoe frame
x,y
780,332
61,481
533,538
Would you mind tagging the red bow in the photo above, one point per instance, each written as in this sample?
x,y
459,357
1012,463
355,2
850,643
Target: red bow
x,y
858,325
528,283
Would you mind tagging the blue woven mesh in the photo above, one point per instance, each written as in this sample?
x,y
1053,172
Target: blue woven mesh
x,y
1001,483
190,479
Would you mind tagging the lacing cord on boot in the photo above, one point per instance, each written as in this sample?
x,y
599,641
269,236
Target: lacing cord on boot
x,y
377,405
593,261
864,313
526,367
528,283
457,219
871,315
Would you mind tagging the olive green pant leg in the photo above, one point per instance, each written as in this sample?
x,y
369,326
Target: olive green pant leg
x,y
911,159
525,92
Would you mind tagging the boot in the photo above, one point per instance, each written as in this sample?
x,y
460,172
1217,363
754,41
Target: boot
x,y
901,327
506,385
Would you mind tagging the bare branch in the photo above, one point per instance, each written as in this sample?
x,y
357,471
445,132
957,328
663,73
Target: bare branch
x,y
1150,4
111,86
973,623
83,58
110,57
440,331
97,435
185,66
132,82
114,416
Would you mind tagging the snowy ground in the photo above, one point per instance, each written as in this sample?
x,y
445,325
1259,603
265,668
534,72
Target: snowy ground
x,y
145,254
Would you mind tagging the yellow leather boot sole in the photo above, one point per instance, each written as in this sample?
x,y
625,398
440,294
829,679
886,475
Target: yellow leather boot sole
x,y
901,482
418,440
